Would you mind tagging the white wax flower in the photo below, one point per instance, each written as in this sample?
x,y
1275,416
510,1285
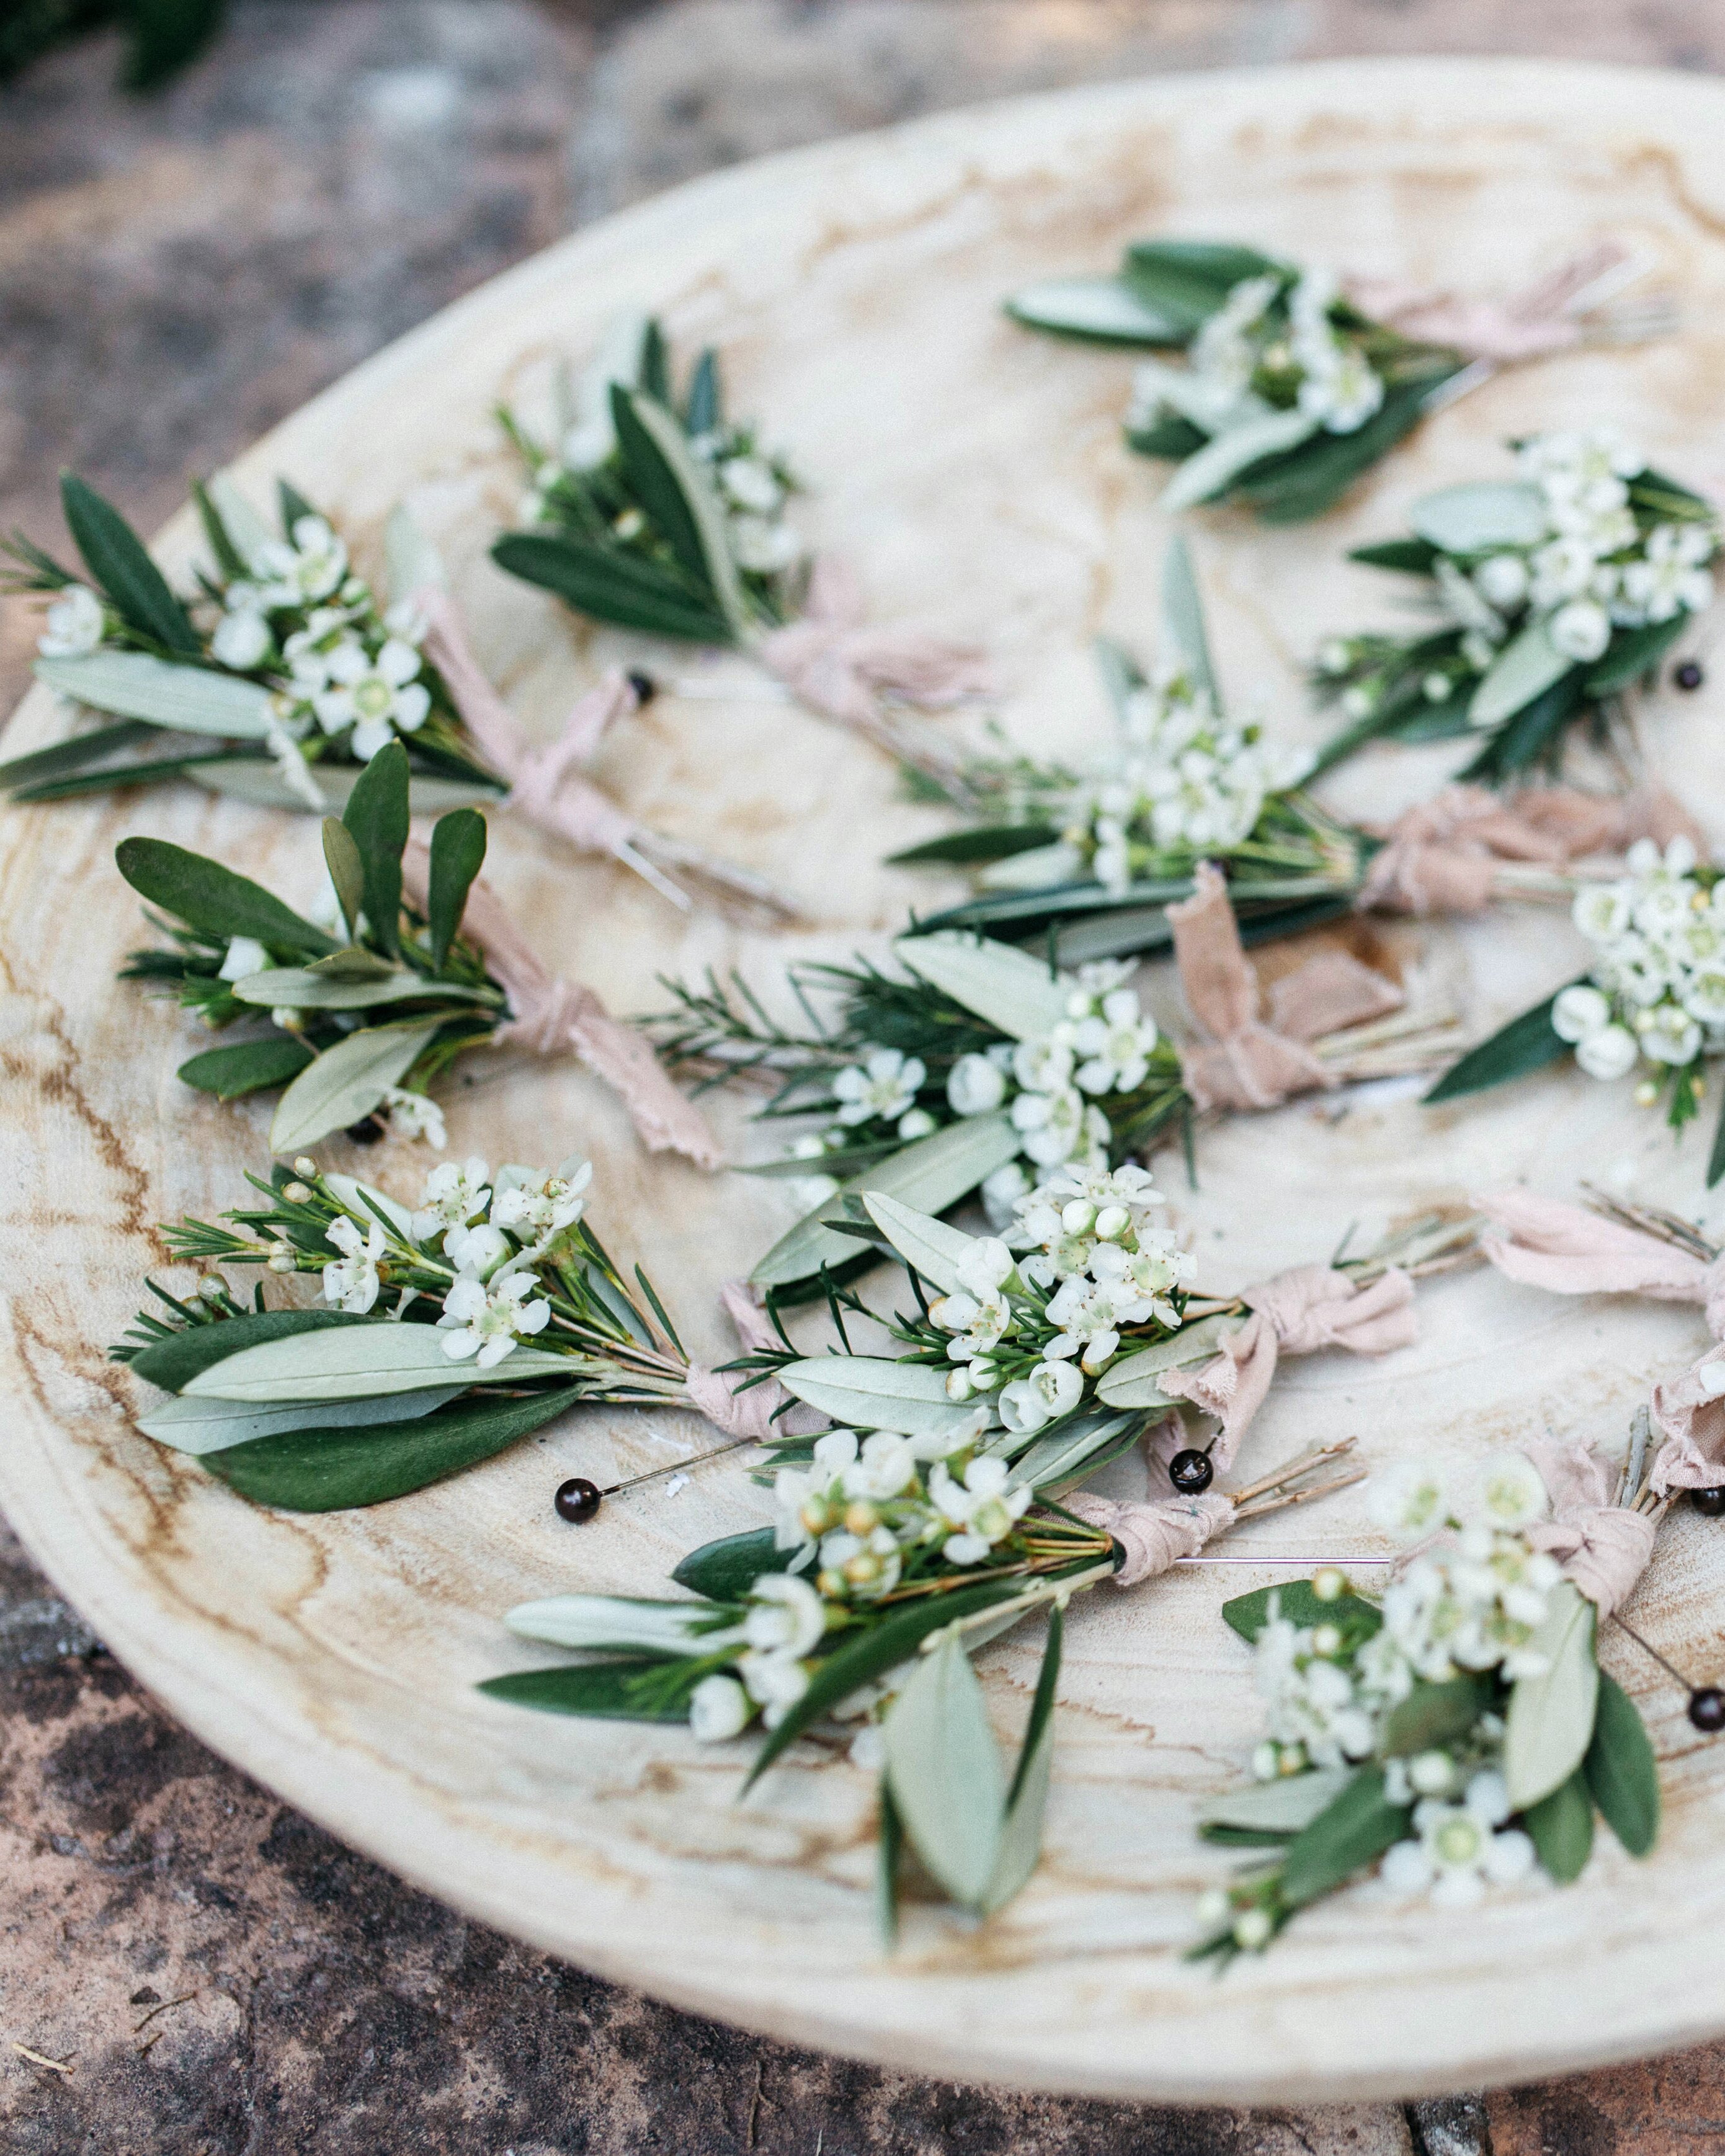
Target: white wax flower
x,y
74,624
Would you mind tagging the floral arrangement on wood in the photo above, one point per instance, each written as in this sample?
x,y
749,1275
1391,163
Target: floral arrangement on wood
x,y
1556,594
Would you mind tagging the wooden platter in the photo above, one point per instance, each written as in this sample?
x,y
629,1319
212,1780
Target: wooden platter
x,y
975,475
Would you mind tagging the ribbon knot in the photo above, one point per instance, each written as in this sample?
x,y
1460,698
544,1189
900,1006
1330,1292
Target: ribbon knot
x,y
748,1413
1246,1063
1154,1534
1548,317
832,661
1602,1548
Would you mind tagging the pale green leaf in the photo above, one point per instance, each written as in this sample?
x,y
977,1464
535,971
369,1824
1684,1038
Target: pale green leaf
x,y
414,563
1550,1722
260,784
1027,1800
1184,641
245,526
1131,1382
345,1083
1212,470
1066,1455
1523,669
199,1425
297,988
354,1194
1103,308
1477,519
190,700
1008,988
928,1245
869,1392
618,1624
1285,1806
932,1173
944,1767
355,1362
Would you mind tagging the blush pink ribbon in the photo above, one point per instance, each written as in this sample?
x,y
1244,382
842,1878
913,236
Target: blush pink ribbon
x,y
832,661
1442,855
1155,1534
748,1413
1246,1063
1602,1547
1529,325
545,784
1299,1312
550,1016
1560,1248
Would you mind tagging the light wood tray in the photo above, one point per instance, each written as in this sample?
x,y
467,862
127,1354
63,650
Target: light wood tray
x,y
976,475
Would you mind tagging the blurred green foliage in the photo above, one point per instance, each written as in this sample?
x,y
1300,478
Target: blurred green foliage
x,y
162,35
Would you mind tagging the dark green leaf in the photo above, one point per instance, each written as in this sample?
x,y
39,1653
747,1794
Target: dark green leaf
x,y
166,35
996,843
1168,437
1562,1825
704,410
1352,1831
1249,1614
117,562
1412,556
207,897
653,373
600,1689
75,754
1305,482
229,561
877,1647
151,773
1715,1158
611,585
376,815
248,1068
659,490
172,1364
1186,280
725,1570
348,872
889,1850
1525,1045
1531,735
312,1470
1436,1714
294,505
1621,1771
1634,652
458,849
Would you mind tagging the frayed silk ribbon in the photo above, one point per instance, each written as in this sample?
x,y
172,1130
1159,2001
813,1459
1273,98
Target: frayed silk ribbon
x,y
832,661
1442,855
1531,324
1246,1063
1545,1244
1603,1548
748,1413
549,1016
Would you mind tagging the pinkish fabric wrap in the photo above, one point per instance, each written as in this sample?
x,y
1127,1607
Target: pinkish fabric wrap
x,y
1602,1547
550,1016
748,1413
1584,824
1530,325
545,786
1154,1534
1246,1064
1567,1251
1298,1313
832,661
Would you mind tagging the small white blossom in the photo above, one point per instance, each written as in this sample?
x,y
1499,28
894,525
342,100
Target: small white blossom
x,y
718,1707
454,1192
536,1208
351,1280
74,624
1410,1499
981,1510
245,955
975,1084
377,696
486,1322
785,1615
417,1116
242,639
884,1086
298,574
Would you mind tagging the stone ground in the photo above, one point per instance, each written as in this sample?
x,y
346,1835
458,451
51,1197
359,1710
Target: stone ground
x,y
196,1970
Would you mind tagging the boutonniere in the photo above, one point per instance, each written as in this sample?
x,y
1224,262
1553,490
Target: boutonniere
x,y
980,1068
936,1514
1459,1733
359,1013
1090,862
447,1330
285,673
1652,1002
1556,594
1296,381
655,510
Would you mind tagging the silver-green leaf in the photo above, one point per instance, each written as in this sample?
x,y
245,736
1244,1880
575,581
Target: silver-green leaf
x,y
944,1768
299,988
1284,1806
871,1392
1131,1382
1523,669
1476,519
1550,1722
190,700
1004,986
345,1083
199,1425
356,1362
1212,470
928,1244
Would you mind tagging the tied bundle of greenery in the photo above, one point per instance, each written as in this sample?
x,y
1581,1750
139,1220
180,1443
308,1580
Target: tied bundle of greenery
x,y
905,1538
449,1331
1461,1732
1554,593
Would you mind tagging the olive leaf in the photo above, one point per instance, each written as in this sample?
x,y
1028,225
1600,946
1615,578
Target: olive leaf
x,y
121,566
1480,517
1075,1450
193,1424
1131,1382
943,1767
248,1067
601,1689
1562,1827
1434,1715
867,1392
678,498
1183,616
1284,1806
612,586
458,852
352,1363
1622,1773
1249,1614
1020,1844
1527,1043
173,1363
214,900
299,988
1525,668
377,819
1226,456
1006,987
161,692
340,857
725,1570
1352,1830
926,1244
1102,310
1550,1722
347,1082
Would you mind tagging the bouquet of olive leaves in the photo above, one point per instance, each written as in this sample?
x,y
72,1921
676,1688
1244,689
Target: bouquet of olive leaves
x,y
1554,593
449,1330
1652,1000
1461,1730
1290,392
920,1529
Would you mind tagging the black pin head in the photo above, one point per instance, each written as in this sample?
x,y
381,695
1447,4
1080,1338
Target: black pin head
x,y
1191,1473
645,686
1687,673
578,1500
1707,1710
367,1131
1710,1502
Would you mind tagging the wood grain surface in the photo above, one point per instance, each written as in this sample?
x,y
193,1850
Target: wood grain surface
x,y
976,475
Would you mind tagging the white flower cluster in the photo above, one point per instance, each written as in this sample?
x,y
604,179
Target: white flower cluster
x,y
1247,346
1595,569
1185,779
494,1235
751,490
1659,937
1049,1086
1469,1604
